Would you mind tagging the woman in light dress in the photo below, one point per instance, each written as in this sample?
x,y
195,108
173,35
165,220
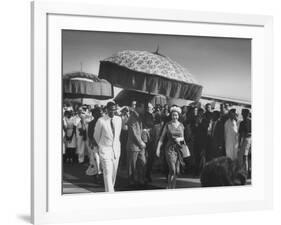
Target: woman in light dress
x,y
175,134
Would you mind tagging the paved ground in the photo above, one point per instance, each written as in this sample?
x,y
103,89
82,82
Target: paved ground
x,y
76,181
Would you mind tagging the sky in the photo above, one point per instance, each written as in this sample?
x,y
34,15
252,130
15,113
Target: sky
x,y
221,65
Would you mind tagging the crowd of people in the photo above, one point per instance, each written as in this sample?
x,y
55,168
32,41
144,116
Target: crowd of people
x,y
187,139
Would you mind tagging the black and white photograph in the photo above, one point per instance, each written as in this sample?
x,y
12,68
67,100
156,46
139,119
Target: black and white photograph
x,y
144,112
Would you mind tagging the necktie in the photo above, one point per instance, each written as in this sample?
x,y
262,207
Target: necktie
x,y
112,127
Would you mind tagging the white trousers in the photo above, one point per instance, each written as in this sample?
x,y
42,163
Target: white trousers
x,y
109,167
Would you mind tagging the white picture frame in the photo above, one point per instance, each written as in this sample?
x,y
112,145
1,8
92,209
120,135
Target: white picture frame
x,y
48,205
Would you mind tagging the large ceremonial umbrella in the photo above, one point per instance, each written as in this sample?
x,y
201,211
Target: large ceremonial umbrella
x,y
125,98
151,73
86,85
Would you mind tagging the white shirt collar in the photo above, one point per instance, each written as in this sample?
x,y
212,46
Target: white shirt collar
x,y
106,117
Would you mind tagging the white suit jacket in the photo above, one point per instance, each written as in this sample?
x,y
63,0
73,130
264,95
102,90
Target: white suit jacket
x,y
109,145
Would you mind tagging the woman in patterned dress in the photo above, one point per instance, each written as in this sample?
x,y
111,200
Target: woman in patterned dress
x,y
175,134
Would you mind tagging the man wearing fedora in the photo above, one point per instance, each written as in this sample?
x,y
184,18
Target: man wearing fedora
x,y
107,136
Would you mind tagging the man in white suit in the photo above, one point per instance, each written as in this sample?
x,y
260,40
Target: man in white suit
x,y
231,135
106,134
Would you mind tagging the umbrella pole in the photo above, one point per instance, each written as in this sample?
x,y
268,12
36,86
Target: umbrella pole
x,y
146,101
112,90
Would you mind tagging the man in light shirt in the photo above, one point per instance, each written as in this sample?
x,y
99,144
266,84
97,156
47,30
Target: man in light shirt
x,y
107,136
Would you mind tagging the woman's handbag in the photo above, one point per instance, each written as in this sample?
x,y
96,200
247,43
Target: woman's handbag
x,y
184,150
145,135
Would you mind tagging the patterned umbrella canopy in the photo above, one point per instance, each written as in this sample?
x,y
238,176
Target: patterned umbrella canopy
x,y
125,98
151,73
86,85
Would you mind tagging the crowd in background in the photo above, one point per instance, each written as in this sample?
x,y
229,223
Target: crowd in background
x,y
150,134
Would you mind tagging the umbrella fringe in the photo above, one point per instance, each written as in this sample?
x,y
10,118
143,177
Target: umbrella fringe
x,y
134,80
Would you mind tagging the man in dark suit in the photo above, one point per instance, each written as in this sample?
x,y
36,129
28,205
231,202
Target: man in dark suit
x,y
217,136
94,158
136,146
148,125
208,116
200,130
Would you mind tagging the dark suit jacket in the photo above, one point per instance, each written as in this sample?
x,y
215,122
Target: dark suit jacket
x,y
91,130
200,132
218,139
135,128
148,120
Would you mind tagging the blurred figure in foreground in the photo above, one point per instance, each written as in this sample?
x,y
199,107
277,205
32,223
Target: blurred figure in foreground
x,y
222,171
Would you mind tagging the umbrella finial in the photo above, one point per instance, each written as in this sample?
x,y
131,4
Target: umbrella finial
x,y
81,66
157,50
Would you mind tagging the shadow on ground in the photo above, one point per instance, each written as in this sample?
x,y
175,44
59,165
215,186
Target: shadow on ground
x,y
76,181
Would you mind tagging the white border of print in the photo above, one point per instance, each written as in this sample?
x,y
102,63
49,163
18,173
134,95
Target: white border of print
x,y
48,205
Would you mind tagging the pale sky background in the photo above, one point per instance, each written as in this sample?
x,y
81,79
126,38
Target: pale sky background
x,y
221,65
